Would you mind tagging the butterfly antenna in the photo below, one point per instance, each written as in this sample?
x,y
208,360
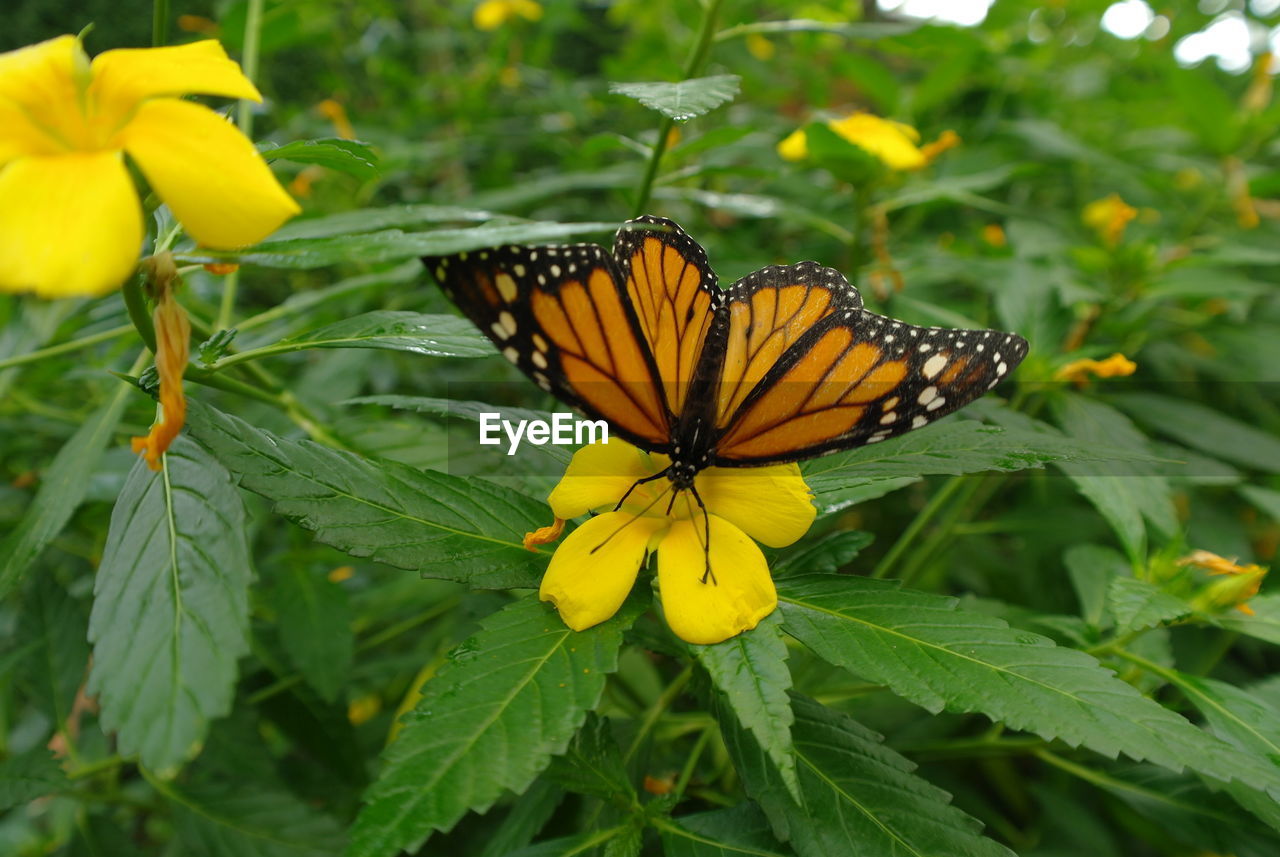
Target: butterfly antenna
x,y
707,574
635,517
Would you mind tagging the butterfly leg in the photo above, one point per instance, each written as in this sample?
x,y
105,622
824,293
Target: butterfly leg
x,y
637,484
707,574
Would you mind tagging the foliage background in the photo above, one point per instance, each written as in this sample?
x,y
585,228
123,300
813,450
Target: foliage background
x,y
248,683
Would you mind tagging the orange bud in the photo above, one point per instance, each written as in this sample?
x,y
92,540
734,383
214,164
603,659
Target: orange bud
x,y
221,268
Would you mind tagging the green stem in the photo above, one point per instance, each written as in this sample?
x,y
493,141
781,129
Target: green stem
x,y
691,763
969,748
136,304
249,63
963,506
660,705
159,23
91,768
65,347
921,520
244,121
694,64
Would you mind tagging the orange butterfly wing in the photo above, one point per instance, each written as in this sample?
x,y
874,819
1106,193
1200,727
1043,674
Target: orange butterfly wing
x,y
560,314
833,376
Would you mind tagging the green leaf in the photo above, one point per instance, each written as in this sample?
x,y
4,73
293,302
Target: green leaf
x,y
750,671
1205,429
929,652
684,100
62,489
509,699
389,245
739,830
1263,624
348,156
439,525
858,796
524,819
593,763
951,447
1130,497
373,219
1136,604
825,555
171,607
470,411
429,335
1092,568
234,820
29,775
1247,721
315,626
53,621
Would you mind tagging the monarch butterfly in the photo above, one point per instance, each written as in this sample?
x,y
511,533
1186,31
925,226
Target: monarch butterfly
x,y
783,365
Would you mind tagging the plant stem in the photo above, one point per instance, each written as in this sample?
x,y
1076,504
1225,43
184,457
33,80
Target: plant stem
x,y
64,347
244,121
136,304
661,704
159,23
696,60
918,523
690,763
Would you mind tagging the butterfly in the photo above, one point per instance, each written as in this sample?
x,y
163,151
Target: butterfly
x,y
783,365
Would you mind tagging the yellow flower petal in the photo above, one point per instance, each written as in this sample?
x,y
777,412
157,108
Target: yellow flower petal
x,y
771,504
592,572
597,477
39,106
795,147
208,172
69,224
740,596
130,75
892,142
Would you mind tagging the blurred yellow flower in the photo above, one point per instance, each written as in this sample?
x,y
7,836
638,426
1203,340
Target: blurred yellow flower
x,y
760,47
1109,217
592,572
993,235
333,110
492,14
895,144
1079,371
70,221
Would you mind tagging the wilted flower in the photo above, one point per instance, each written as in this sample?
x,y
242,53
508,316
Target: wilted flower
x,y
1079,371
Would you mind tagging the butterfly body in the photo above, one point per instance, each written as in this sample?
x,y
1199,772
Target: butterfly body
x,y
783,365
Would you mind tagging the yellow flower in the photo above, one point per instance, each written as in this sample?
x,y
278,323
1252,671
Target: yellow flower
x,y
1239,583
592,572
492,14
70,222
893,143
1109,217
993,235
